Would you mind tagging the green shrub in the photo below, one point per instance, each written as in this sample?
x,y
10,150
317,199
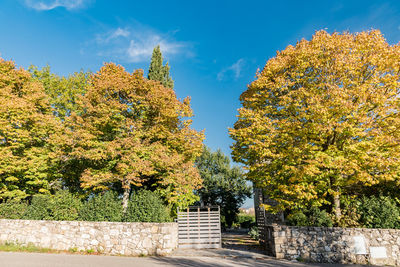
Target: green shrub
x,y
39,209
312,217
63,206
350,214
253,233
297,218
13,209
246,221
319,217
379,212
146,206
102,207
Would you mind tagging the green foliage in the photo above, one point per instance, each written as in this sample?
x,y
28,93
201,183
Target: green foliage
x,y
26,125
146,206
16,247
246,221
253,233
13,209
158,72
297,218
319,217
350,214
63,206
313,217
379,212
63,92
102,207
223,185
39,209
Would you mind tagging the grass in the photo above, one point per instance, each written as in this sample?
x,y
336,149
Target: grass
x,y
15,247
73,250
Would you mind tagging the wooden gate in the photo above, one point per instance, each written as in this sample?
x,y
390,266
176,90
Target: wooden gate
x,y
199,227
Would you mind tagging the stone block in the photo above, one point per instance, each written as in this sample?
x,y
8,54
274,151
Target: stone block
x,y
85,236
280,255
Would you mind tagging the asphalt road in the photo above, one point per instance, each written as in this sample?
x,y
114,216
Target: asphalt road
x,y
16,259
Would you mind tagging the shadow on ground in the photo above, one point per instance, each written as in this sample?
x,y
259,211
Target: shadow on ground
x,y
222,262
238,249
234,244
240,240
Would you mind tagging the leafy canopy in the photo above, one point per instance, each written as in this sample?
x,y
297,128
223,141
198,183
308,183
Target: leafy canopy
x,y
146,206
321,118
223,185
26,125
62,92
131,132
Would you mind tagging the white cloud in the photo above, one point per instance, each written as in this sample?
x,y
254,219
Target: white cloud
x,y
141,47
44,5
120,32
233,70
136,44
114,34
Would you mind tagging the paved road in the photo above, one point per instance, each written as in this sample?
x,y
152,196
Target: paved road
x,y
16,259
238,250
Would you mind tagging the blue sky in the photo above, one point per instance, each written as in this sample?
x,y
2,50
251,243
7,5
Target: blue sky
x,y
214,48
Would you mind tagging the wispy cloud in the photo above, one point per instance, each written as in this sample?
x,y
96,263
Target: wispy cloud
x,y
141,47
233,70
135,44
112,35
43,5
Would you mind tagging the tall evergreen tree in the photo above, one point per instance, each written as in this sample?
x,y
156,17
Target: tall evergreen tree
x,y
158,72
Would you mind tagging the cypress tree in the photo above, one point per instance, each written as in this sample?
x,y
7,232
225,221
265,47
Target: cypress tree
x,y
167,80
158,72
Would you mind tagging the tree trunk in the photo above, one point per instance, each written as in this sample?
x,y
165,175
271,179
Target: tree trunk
x,y
336,205
125,198
336,198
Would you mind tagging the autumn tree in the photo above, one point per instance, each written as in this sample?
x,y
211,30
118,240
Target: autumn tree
x,y
158,71
62,92
321,118
131,131
26,124
223,185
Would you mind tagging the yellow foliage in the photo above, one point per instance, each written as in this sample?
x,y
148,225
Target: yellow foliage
x,y
130,130
26,124
321,117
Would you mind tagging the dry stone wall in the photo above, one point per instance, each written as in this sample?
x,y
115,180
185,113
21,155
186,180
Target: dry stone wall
x,y
113,238
334,244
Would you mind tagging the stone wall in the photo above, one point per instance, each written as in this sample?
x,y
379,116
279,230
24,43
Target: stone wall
x,y
113,238
334,244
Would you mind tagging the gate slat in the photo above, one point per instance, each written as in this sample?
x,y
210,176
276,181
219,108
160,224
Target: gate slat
x,y
198,228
